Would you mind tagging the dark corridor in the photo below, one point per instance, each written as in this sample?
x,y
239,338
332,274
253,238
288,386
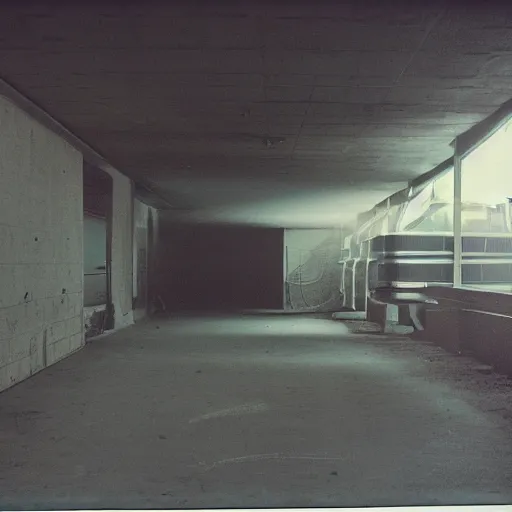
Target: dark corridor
x,y
221,268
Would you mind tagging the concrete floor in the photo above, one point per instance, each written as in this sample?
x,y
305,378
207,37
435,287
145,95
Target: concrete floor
x,y
255,411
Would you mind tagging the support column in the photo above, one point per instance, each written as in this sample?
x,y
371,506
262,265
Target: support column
x,y
457,218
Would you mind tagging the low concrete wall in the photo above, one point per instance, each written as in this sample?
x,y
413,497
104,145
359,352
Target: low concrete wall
x,y
389,317
472,321
489,337
442,328
376,313
464,298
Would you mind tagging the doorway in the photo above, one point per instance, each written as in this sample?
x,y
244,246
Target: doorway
x,y
97,205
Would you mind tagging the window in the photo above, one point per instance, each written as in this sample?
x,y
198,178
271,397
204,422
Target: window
x,y
431,210
486,185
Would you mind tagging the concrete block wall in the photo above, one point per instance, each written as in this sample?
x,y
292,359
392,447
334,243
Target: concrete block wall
x,y
122,249
471,321
485,335
41,231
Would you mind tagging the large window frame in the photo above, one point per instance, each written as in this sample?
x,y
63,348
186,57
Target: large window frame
x,y
464,146
482,221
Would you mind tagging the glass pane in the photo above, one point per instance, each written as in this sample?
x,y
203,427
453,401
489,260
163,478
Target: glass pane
x,y
485,213
444,187
416,208
394,217
431,211
437,219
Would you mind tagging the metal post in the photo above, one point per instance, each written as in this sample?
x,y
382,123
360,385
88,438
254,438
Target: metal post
x,y
286,304
387,220
457,218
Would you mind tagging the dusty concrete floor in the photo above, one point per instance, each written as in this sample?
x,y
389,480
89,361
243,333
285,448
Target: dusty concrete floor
x,y
255,412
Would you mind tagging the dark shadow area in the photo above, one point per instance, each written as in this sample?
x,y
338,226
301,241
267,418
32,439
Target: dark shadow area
x,y
220,268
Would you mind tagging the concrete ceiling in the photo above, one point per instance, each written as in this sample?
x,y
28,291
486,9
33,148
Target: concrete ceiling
x,y
292,116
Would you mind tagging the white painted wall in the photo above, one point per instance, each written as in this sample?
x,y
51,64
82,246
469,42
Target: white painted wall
x,y
122,249
142,255
140,227
41,257
316,286
300,241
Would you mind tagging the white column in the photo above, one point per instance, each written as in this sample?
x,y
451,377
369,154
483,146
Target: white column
x,y
457,219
